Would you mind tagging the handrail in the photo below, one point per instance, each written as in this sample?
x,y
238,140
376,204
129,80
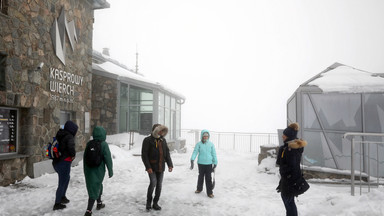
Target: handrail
x,y
352,157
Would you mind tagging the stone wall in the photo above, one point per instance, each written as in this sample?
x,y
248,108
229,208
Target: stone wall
x,y
12,170
104,103
25,39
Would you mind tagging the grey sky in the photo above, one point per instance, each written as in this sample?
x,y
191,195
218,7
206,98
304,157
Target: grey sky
x,y
238,61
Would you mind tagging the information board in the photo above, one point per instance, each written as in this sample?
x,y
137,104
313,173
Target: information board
x,y
8,130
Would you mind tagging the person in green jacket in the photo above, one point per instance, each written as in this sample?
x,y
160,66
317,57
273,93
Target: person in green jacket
x,y
207,157
94,175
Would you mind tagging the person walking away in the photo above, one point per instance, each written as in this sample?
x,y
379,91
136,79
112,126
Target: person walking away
x,y
207,157
94,168
155,153
288,159
62,165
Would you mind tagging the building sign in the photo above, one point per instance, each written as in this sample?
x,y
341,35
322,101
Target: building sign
x,y
8,130
59,27
63,84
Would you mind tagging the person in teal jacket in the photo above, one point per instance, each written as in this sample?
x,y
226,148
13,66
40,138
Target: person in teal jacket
x,y
207,157
94,176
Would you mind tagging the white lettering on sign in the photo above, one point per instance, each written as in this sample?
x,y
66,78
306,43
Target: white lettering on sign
x,y
63,83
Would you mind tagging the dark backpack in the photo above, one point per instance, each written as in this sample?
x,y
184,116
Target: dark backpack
x,y
52,150
92,154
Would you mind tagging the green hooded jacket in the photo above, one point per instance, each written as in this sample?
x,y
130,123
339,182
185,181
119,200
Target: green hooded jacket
x,y
94,176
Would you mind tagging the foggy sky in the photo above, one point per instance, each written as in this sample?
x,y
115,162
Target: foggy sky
x,y
238,61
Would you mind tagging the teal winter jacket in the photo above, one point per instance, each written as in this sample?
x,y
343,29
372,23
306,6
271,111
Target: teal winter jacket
x,y
206,151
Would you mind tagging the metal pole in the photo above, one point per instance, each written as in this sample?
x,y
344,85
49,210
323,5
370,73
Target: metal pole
x,y
369,170
234,141
352,169
250,143
361,144
378,173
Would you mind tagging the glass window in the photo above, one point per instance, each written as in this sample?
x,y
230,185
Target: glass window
x,y
292,110
339,111
167,101
310,120
4,6
8,130
374,113
123,119
161,99
178,106
64,117
3,59
173,103
178,124
161,115
167,117
140,109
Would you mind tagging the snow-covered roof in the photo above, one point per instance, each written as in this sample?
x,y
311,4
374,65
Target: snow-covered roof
x,y
346,79
123,73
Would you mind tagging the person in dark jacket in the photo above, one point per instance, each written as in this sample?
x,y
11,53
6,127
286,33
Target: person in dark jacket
x,y
288,158
62,165
94,176
155,153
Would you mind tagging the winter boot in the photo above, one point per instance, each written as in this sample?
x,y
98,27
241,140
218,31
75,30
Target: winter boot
x,y
88,213
58,206
156,207
64,200
100,206
197,191
211,196
148,205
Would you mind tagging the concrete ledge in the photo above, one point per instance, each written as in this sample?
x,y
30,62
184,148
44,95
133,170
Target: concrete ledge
x,y
12,156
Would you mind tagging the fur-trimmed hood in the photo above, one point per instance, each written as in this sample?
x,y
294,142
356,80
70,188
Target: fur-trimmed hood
x,y
155,132
297,143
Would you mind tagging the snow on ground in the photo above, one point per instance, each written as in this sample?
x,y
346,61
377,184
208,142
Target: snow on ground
x,y
242,188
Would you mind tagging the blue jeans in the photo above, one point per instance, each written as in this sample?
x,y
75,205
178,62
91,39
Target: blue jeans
x,y
156,180
63,168
289,203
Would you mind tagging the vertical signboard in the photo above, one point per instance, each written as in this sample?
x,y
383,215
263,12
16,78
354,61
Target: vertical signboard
x,y
8,130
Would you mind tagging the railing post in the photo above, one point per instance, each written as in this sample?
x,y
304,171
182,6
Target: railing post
x,y
250,143
234,141
218,142
352,168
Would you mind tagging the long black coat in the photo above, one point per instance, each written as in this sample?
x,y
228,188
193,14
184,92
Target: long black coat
x,y
288,159
150,154
66,145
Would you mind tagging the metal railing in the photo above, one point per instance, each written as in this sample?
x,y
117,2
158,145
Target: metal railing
x,y
243,142
368,143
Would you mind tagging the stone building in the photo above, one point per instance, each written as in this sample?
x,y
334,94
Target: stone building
x,y
123,100
45,79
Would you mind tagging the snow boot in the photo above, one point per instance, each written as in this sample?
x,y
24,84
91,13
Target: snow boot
x,y
211,196
59,206
156,207
197,191
148,205
100,206
88,213
64,200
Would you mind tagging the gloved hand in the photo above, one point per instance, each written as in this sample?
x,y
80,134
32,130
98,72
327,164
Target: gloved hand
x,y
214,167
192,164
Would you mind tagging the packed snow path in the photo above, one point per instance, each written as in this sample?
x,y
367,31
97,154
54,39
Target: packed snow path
x,y
241,189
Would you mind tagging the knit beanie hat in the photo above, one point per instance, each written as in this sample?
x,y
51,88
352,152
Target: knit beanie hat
x,y
291,131
71,127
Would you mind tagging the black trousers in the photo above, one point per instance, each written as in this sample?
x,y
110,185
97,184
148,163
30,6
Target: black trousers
x,y
205,172
156,180
91,202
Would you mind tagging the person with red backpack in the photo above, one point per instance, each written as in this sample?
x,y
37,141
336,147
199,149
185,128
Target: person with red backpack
x,y
97,156
62,164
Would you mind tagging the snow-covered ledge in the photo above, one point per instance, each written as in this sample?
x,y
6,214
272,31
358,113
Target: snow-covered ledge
x,y
267,151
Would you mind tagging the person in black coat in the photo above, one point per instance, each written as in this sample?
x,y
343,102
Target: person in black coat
x,y
288,158
155,153
62,165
